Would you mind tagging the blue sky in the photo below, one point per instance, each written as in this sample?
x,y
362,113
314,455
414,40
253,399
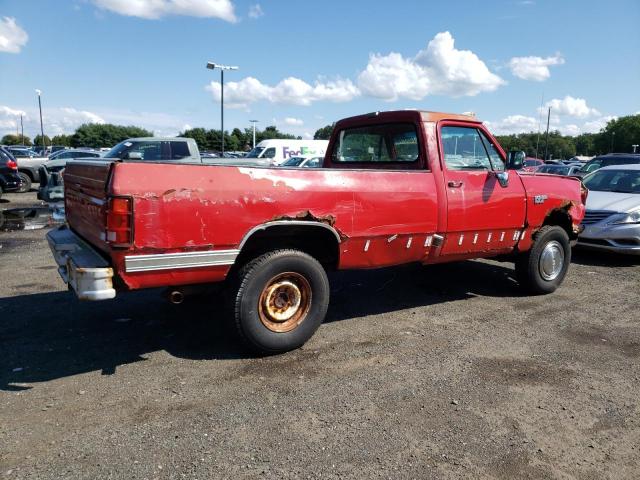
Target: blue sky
x,y
306,64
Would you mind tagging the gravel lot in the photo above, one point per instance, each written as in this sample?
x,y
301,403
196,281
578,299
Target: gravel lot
x,y
438,372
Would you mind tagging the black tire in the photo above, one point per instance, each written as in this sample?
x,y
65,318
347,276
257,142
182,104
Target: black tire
x,y
542,269
26,182
275,277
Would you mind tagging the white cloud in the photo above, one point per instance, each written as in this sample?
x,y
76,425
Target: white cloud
x,y
154,9
296,122
534,68
12,36
594,126
440,69
291,90
570,107
255,11
513,124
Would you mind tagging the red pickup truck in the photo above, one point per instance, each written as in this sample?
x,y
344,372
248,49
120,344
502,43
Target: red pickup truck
x,y
395,187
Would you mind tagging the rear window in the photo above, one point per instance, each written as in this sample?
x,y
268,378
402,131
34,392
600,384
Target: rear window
x,y
179,150
387,143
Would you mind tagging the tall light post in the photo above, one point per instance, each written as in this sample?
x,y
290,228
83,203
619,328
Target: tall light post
x,y
613,140
254,132
213,66
634,147
44,147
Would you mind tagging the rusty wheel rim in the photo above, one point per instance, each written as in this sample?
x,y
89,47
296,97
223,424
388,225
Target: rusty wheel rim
x,y
284,302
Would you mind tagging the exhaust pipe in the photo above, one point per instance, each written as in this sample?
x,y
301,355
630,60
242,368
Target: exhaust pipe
x,y
176,297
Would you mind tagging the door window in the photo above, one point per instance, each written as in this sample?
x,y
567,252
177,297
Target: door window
x,y
494,156
269,153
464,149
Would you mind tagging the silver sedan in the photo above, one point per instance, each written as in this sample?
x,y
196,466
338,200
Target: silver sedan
x,y
612,220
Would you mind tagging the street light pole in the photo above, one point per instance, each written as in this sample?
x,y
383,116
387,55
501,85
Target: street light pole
x,y
254,132
546,146
44,147
613,139
213,66
634,147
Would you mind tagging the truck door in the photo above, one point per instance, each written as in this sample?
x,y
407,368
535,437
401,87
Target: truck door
x,y
482,214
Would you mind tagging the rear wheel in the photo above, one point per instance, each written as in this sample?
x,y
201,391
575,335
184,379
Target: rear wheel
x,y
26,182
543,268
280,300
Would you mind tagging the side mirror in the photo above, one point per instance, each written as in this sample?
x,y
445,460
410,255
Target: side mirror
x,y
133,156
503,178
515,160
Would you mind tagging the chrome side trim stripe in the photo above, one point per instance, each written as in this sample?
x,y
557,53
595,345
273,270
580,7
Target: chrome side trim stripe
x,y
171,261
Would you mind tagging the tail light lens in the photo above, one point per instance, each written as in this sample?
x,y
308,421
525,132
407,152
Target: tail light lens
x,y
12,164
119,221
584,192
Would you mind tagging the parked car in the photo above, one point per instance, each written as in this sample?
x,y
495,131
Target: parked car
x,y
75,153
51,187
28,164
561,169
9,178
394,188
531,164
154,149
612,218
608,160
277,151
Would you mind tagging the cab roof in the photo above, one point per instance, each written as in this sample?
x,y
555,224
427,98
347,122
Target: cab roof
x,y
411,115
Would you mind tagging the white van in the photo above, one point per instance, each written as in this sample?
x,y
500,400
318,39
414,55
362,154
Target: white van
x,y
277,151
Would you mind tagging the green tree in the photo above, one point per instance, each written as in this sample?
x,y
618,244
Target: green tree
x,y
105,135
619,135
323,133
16,140
37,140
64,140
585,144
198,134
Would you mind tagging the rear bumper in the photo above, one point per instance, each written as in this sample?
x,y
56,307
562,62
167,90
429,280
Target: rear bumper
x,y
80,266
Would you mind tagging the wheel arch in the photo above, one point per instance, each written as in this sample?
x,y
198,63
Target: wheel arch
x,y
318,239
561,218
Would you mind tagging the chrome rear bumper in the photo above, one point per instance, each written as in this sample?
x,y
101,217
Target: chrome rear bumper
x,y
80,266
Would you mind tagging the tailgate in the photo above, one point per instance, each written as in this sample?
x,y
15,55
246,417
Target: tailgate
x,y
85,198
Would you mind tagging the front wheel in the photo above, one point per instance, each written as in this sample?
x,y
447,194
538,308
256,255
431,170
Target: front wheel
x,y
543,268
281,298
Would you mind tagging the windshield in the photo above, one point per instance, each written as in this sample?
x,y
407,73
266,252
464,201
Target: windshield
x,y
619,181
255,153
531,163
293,162
554,170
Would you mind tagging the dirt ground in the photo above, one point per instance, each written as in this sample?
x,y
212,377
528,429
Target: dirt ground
x,y
439,372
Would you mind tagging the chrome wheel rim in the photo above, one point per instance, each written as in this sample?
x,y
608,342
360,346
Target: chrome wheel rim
x,y
284,302
551,260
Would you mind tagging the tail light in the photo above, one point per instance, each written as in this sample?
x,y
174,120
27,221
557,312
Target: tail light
x,y
12,164
119,221
584,192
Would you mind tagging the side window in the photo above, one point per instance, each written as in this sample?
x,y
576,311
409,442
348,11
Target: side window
x,y
179,150
313,163
149,150
463,149
392,142
494,156
269,153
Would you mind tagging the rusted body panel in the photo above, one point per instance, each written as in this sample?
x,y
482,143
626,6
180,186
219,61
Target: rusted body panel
x,y
190,222
192,208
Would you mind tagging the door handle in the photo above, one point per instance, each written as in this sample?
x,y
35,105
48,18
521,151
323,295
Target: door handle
x,y
455,184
